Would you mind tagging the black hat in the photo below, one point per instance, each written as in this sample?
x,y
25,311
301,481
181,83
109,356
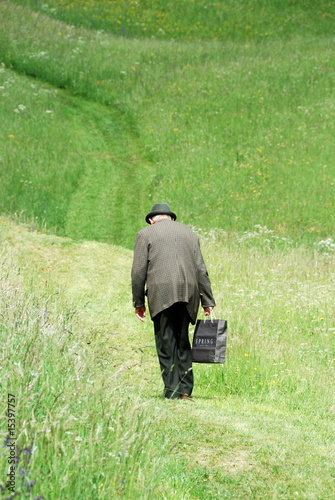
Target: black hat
x,y
160,209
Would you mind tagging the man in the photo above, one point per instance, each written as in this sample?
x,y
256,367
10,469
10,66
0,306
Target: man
x,y
168,260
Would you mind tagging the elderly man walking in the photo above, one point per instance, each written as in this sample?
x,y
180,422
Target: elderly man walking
x,y
169,263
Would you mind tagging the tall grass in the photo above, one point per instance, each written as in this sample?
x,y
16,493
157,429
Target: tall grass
x,y
79,431
195,20
233,134
281,305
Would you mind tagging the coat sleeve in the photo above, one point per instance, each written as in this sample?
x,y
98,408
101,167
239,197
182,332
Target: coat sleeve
x,y
139,271
204,284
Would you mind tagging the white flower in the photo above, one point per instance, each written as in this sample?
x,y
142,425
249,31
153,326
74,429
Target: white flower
x,y
38,55
327,244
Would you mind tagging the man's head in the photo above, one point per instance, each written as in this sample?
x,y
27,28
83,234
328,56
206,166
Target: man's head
x,y
158,217
159,209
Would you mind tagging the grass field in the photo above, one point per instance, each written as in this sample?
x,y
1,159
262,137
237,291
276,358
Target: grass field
x,y
234,133
91,419
196,20
226,111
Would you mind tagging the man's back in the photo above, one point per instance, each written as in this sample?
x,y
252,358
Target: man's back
x,y
167,257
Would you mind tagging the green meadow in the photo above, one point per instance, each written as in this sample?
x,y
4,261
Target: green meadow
x,y
225,110
233,132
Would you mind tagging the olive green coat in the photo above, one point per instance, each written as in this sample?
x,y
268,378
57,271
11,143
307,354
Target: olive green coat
x,y
168,260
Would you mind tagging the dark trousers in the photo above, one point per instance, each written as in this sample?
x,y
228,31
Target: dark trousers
x,y
174,350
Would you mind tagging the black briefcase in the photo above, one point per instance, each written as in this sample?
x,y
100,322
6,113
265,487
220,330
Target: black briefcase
x,y
210,341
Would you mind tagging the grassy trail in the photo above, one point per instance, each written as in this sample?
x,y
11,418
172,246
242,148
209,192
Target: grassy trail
x,y
116,183
77,164
219,446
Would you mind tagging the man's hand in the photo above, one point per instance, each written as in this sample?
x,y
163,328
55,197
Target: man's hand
x,y
140,313
207,310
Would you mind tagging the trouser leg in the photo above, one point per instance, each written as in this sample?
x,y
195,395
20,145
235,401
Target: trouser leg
x,y
166,346
174,350
184,351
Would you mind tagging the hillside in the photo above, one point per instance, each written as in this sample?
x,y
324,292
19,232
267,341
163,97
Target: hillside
x,y
233,133
196,20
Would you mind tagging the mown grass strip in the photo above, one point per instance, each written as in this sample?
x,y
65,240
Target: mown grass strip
x,y
70,162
